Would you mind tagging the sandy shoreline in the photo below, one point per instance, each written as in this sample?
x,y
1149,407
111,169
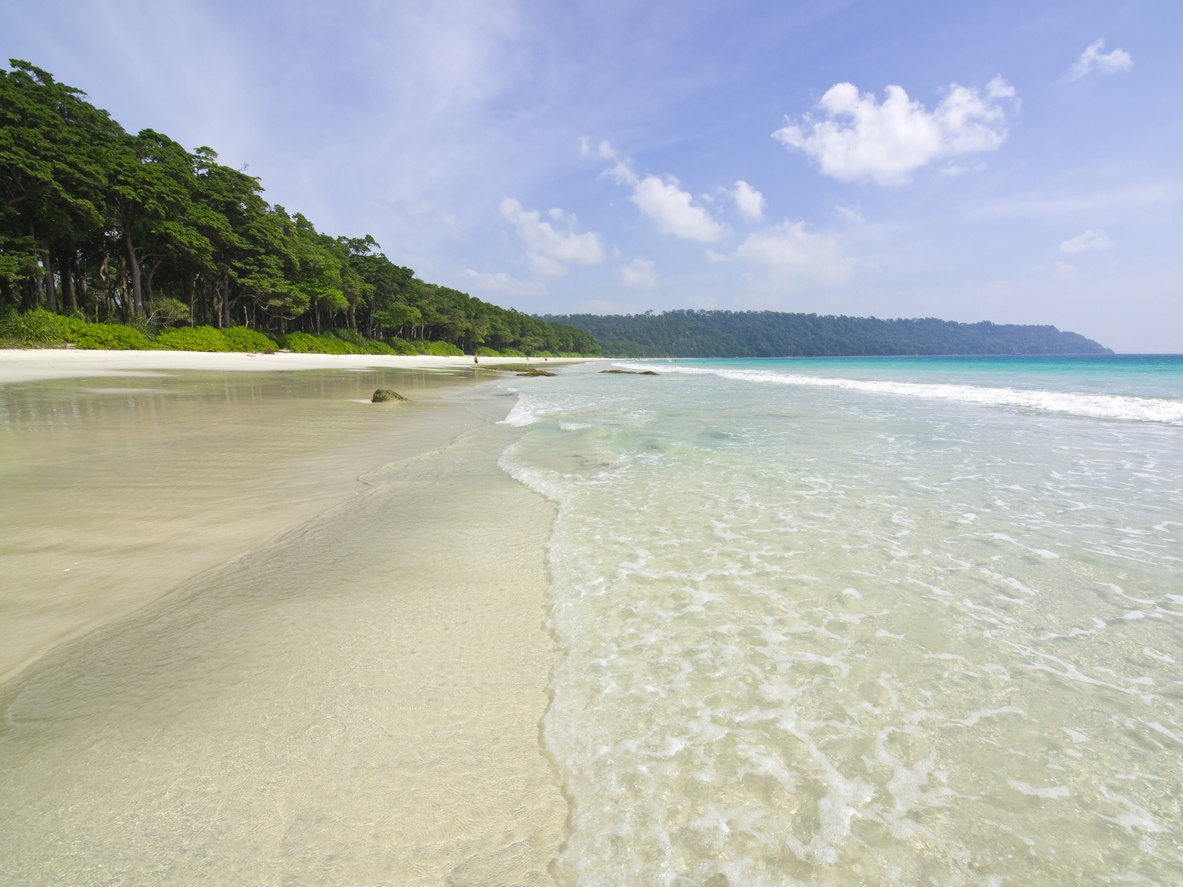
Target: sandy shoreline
x,y
31,364
275,632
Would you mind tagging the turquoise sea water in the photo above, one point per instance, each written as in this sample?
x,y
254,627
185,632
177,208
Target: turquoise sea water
x,y
884,621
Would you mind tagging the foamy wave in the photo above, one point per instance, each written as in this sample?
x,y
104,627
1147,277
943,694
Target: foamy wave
x,y
522,414
1093,406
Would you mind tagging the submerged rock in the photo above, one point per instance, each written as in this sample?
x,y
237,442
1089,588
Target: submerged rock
x,y
382,395
536,372
632,372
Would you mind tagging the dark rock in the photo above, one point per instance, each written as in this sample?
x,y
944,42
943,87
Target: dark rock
x,y
632,372
536,372
382,395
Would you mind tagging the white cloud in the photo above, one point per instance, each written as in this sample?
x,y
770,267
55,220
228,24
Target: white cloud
x,y
638,273
861,139
748,201
663,200
1091,240
788,249
674,210
504,284
1092,60
550,250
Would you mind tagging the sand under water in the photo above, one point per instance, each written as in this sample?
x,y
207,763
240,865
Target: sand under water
x,y
258,630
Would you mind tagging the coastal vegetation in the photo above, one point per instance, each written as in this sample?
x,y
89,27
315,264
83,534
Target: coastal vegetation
x,y
157,246
775,334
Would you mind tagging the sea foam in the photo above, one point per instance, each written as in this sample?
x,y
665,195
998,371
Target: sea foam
x,y
1093,406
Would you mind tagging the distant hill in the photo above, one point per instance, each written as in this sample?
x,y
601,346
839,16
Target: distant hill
x,y
777,334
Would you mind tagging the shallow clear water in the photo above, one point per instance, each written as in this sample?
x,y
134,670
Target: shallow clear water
x,y
869,621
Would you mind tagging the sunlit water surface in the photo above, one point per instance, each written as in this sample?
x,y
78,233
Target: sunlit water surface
x,y
865,622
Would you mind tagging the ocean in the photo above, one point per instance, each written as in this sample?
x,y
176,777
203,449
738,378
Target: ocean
x,y
864,621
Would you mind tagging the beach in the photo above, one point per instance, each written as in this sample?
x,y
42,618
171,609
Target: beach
x,y
257,629
768,622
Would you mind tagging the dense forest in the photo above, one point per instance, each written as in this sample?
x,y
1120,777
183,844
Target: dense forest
x,y
106,226
776,334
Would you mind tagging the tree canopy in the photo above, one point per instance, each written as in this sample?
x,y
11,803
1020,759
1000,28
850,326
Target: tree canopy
x,y
101,223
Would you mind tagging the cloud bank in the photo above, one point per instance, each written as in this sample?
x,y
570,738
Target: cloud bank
x,y
860,139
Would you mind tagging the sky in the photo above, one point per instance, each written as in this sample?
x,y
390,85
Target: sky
x,y
1017,162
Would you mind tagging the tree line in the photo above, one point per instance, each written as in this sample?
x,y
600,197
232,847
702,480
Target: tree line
x,y
96,222
721,334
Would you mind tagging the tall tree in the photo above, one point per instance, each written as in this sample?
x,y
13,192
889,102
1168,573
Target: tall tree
x,y
150,188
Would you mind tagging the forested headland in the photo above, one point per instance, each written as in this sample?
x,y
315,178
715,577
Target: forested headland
x,y
775,334
109,239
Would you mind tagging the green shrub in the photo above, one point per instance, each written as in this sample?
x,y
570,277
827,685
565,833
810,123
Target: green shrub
x,y
364,345
400,346
193,338
305,343
34,328
42,327
487,352
103,336
351,336
443,349
241,338
374,346
512,352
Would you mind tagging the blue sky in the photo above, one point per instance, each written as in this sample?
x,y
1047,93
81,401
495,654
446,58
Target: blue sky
x,y
1020,162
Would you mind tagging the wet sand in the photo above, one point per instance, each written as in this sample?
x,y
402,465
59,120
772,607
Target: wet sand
x,y
269,633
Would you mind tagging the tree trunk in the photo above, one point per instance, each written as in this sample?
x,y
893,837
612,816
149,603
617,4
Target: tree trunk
x,y
121,291
187,284
50,290
224,305
137,295
80,277
151,274
66,265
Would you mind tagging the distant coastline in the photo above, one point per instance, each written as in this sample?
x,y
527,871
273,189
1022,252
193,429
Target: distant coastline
x,y
724,334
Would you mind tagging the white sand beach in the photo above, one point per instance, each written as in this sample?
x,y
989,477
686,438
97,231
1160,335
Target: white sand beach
x,y
29,364
259,630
